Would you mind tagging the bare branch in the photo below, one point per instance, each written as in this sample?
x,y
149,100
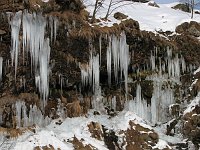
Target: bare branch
x,y
112,4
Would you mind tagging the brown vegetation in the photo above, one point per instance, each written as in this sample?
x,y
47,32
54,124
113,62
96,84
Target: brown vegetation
x,y
74,109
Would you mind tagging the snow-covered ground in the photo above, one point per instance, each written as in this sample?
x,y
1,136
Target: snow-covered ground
x,y
60,135
150,18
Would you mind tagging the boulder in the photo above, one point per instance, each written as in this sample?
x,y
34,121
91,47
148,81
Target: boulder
x,y
120,16
153,4
192,28
182,7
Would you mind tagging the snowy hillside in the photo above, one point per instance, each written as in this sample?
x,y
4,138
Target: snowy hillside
x,y
150,18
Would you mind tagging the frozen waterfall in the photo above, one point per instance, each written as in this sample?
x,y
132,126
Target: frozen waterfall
x,y
1,68
118,51
90,74
34,43
166,75
15,23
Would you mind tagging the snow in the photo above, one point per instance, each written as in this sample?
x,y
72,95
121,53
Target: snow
x,y
161,145
60,135
196,71
45,1
191,106
150,18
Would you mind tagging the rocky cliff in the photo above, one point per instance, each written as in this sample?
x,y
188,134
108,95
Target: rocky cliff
x,y
55,64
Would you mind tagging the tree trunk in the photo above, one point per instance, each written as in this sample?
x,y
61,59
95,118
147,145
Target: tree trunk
x,y
192,9
94,12
108,12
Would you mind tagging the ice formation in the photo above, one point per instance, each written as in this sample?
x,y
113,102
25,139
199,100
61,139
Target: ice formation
x,y
166,75
53,24
1,67
34,43
172,66
90,74
109,61
44,70
35,115
118,51
139,105
15,23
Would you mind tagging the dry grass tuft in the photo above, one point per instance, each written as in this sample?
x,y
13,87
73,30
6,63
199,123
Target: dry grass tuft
x,y
74,109
13,133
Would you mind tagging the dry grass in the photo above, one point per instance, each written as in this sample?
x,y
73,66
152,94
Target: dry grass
x,y
74,109
83,29
15,133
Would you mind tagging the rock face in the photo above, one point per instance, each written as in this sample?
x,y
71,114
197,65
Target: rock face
x,y
138,137
159,69
192,28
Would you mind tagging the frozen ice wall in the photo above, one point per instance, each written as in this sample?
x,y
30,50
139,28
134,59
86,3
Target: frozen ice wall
x,y
165,76
15,24
1,67
27,117
118,54
35,45
90,74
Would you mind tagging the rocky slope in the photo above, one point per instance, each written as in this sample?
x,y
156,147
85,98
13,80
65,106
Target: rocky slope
x,y
56,66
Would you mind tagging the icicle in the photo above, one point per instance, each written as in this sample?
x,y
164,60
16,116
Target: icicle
x,y
100,39
183,64
139,106
113,103
120,54
33,35
25,117
18,106
124,59
44,70
152,60
109,61
34,41
96,73
115,54
15,23
1,68
53,23
55,28
90,73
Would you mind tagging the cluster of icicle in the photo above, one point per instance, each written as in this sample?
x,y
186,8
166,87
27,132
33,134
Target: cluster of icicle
x,y
169,68
165,72
90,73
34,116
34,43
118,53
